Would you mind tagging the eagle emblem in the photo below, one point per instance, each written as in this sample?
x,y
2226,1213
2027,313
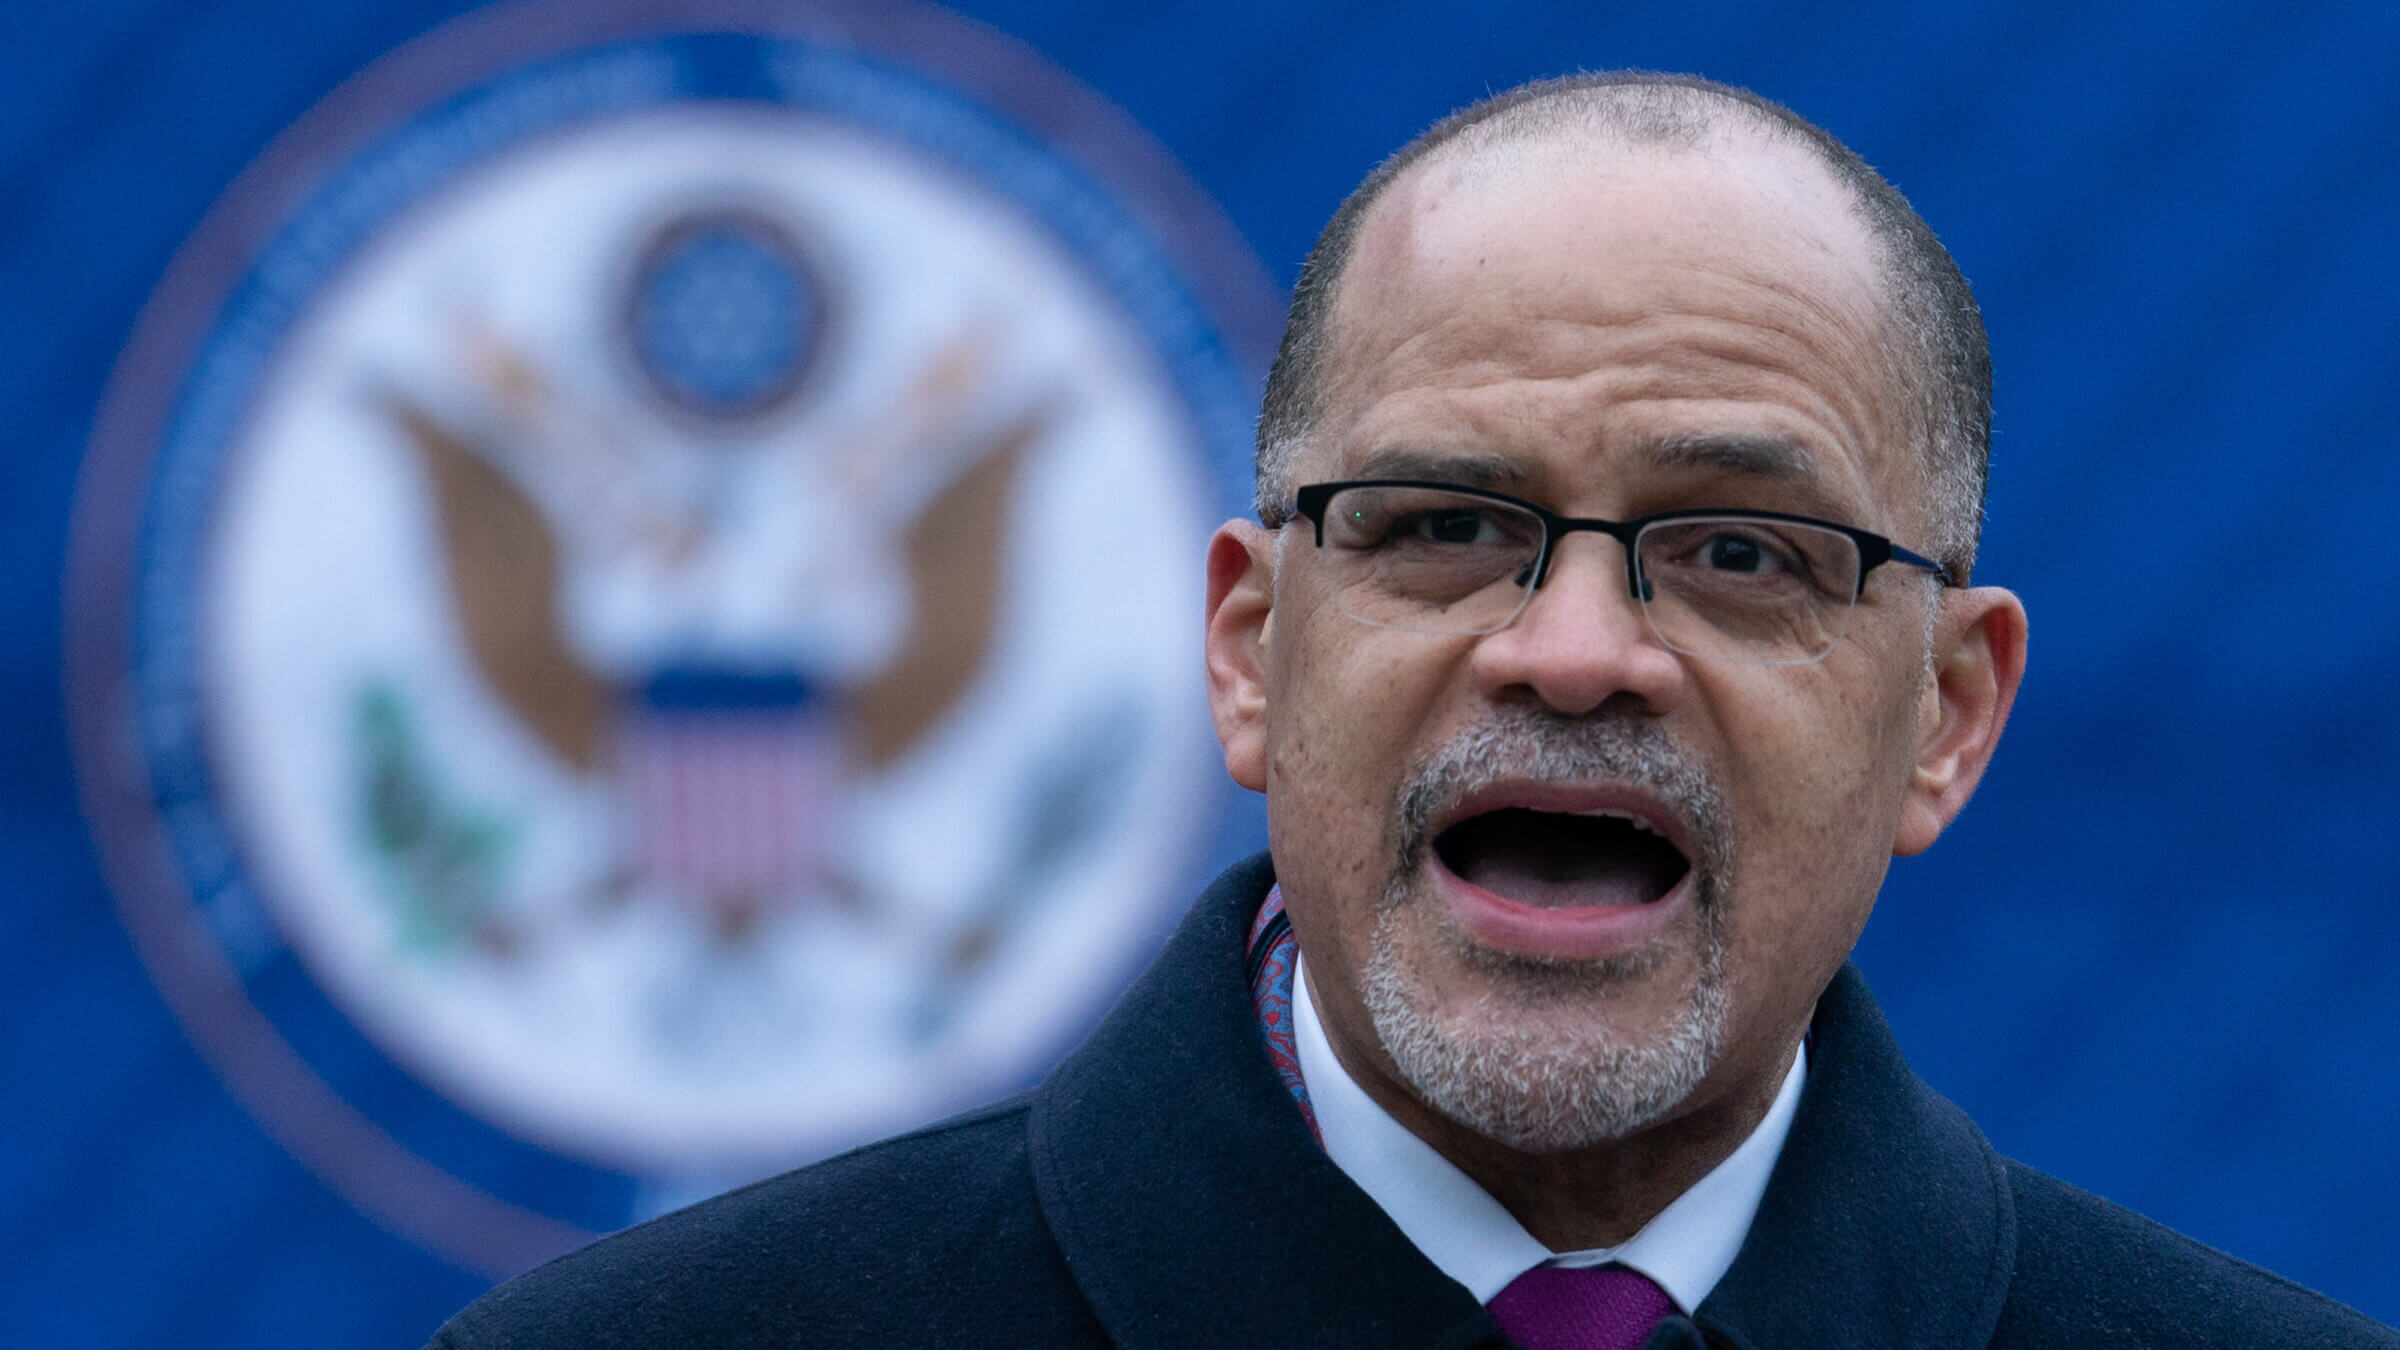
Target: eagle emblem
x,y
740,695
647,641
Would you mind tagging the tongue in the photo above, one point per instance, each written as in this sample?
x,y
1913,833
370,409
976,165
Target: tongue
x,y
1556,883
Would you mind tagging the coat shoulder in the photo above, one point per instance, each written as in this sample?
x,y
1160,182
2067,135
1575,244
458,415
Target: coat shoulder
x,y
2089,1272
917,1237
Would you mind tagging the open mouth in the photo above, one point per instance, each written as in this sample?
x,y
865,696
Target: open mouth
x,y
1559,860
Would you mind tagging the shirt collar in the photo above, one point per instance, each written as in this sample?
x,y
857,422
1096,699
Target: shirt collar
x,y
1474,1240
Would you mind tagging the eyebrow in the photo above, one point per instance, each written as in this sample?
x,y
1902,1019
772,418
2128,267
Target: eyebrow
x,y
1754,456
1774,459
1465,468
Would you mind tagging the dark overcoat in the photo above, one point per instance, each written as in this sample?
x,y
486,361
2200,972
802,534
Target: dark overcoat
x,y
1159,1189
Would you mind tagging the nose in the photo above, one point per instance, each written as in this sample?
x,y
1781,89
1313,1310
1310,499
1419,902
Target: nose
x,y
1581,640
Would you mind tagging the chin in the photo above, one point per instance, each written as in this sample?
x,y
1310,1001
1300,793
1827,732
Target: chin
x,y
1539,1063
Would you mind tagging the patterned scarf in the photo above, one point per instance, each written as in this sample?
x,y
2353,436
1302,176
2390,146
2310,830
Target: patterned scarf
x,y
1274,954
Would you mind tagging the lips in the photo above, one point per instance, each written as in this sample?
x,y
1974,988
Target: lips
x,y
1561,872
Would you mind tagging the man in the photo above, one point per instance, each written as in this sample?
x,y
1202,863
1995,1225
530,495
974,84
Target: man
x,y
1606,632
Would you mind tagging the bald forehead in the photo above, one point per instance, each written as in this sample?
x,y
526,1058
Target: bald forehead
x,y
1536,257
1582,200
1589,123
1728,173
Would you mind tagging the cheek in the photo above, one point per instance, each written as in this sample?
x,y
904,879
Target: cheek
x,y
1346,707
1339,716
1818,784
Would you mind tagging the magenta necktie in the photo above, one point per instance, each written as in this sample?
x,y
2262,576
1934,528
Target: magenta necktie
x,y
1591,1308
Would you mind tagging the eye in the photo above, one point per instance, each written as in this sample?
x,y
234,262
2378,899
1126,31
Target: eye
x,y
1422,523
1748,575
1726,551
1449,525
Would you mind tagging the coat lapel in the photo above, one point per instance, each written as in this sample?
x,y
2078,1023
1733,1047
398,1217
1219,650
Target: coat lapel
x,y
1889,1219
1187,1196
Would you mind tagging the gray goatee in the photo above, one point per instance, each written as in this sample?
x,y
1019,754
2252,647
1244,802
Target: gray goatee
x,y
1539,1085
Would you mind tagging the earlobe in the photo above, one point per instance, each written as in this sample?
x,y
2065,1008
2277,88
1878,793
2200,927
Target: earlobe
x,y
1241,600
1978,661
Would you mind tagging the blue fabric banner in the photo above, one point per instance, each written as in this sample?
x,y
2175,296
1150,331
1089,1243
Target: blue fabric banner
x,y
600,592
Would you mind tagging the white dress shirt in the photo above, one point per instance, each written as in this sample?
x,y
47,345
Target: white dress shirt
x,y
1466,1233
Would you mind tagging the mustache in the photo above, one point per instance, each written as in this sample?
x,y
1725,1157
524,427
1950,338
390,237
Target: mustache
x,y
1530,743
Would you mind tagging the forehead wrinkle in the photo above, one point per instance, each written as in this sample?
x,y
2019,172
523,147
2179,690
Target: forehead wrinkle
x,y
1851,411
1742,316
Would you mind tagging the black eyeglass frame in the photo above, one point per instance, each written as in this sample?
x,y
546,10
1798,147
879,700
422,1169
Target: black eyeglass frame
x,y
1874,550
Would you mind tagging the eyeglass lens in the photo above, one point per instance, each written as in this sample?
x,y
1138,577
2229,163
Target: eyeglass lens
x,y
1719,588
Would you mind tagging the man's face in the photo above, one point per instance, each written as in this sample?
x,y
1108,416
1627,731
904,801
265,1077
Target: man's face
x,y
1558,880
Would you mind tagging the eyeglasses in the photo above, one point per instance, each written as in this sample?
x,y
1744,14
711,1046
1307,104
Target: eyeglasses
x,y
1746,587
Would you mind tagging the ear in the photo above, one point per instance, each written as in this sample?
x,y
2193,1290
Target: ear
x,y
1241,599
1978,660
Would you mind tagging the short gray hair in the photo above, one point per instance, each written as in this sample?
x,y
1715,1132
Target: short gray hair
x,y
1943,358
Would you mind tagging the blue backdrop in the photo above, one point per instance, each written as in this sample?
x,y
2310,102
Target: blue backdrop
x,y
2156,957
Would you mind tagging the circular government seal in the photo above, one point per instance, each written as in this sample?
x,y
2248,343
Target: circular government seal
x,y
631,602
